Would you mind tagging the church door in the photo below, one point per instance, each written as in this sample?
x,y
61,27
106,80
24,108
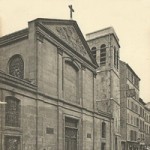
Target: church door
x,y
71,134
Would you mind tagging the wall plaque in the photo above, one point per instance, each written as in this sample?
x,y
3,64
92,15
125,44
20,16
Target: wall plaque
x,y
49,130
88,135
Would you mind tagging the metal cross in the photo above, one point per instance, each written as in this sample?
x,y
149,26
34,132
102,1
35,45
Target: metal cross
x,y
71,11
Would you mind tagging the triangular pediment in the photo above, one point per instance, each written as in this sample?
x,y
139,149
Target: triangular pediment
x,y
69,33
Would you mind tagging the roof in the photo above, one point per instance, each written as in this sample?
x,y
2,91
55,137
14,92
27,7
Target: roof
x,y
47,24
4,40
101,33
130,68
142,102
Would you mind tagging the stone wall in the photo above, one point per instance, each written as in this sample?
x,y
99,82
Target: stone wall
x,y
88,81
123,99
47,68
27,129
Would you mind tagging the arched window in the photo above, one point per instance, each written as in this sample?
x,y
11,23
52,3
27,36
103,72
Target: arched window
x,y
16,66
12,112
115,56
117,59
103,54
93,50
71,82
103,130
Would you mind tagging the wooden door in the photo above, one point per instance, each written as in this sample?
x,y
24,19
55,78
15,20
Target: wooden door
x,y
70,139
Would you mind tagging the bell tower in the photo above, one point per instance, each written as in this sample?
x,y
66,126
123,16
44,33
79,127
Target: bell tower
x,y
104,45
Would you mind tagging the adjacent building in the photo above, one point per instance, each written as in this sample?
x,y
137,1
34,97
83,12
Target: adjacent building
x,y
144,124
134,113
129,93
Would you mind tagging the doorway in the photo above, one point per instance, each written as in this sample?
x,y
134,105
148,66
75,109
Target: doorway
x,y
71,132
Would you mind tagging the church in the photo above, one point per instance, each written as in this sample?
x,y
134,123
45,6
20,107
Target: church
x,y
58,97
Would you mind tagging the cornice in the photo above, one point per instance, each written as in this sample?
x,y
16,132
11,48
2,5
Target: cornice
x,y
60,51
78,106
16,36
128,67
16,82
111,69
103,37
104,114
53,21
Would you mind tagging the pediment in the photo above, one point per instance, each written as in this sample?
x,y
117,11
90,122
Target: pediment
x,y
70,34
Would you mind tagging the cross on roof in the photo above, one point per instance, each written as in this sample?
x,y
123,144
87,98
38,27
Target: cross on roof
x,y
71,11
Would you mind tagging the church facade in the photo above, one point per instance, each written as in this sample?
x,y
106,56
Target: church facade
x,y
48,80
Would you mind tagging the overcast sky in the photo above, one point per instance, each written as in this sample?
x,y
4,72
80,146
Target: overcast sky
x,y
130,19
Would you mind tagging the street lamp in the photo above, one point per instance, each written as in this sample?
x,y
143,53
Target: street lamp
x,y
3,103
140,140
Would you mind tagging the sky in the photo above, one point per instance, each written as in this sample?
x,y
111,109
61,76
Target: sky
x,y
130,19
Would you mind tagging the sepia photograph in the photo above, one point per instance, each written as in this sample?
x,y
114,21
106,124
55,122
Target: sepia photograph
x,y
75,75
